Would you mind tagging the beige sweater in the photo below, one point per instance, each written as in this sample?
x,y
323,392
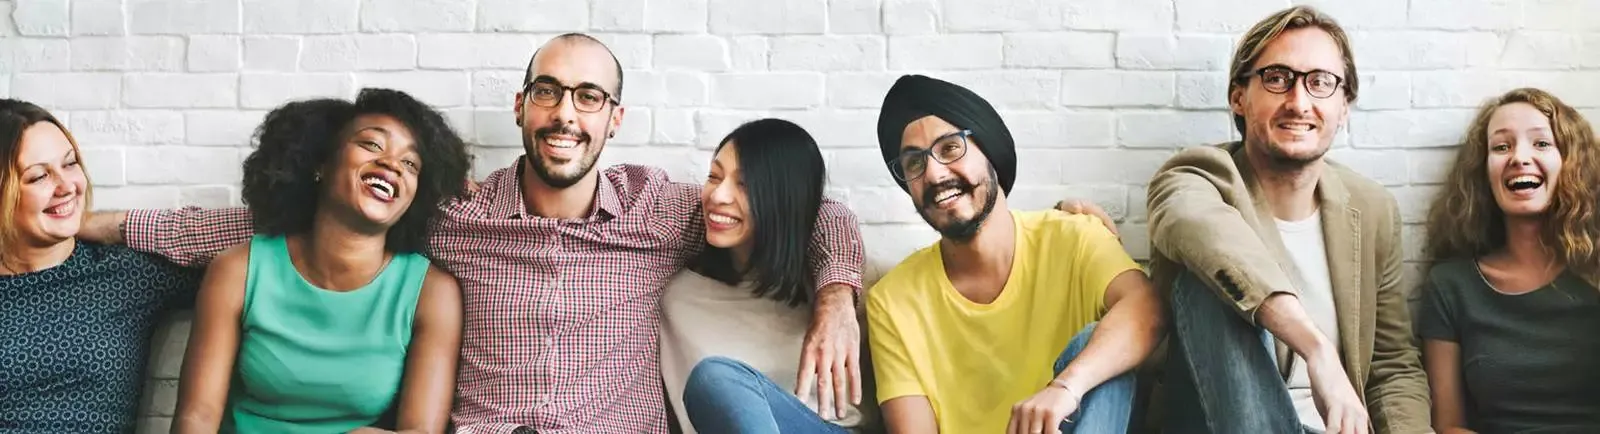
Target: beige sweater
x,y
702,317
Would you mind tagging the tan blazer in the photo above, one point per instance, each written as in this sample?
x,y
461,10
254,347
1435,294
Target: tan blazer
x,y
1204,218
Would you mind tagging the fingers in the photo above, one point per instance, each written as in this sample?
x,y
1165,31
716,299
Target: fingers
x,y
1012,426
856,388
804,385
825,386
842,385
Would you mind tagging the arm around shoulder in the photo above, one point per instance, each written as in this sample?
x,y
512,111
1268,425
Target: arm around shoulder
x,y
189,237
213,344
835,251
428,388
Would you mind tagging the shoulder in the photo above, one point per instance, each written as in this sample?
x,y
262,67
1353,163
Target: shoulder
x,y
1454,274
440,291
905,278
1365,193
1214,157
234,259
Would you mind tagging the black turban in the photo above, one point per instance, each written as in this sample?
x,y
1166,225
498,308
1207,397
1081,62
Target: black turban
x,y
915,96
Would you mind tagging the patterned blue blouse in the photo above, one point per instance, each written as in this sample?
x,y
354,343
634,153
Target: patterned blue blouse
x,y
74,338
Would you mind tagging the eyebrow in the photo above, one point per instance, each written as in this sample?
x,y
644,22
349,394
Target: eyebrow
x,y
930,142
1509,130
70,153
549,79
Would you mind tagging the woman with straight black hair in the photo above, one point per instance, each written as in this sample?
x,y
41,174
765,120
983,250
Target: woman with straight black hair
x,y
734,322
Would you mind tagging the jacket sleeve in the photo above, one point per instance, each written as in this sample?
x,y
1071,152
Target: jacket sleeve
x,y
1397,387
1195,221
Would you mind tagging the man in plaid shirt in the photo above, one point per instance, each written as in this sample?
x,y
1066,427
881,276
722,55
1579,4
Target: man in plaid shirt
x,y
562,266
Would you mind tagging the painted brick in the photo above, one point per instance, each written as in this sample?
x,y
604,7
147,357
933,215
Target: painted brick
x,y
380,16
532,15
184,165
42,17
693,52
180,90
474,51
269,90
308,17
386,52
1167,51
911,17
1141,15
214,53
855,17
1466,14
677,16
1163,129
69,90
182,17
271,53
617,15
1203,90
1385,91
1003,15
1561,15
127,127
833,128
1062,129
749,53
1096,88
221,127
97,18
673,126
859,89
1226,16
1060,50
768,17
1542,50
767,90
105,165
139,53
1013,89
30,55
828,53
1409,129
946,52
437,88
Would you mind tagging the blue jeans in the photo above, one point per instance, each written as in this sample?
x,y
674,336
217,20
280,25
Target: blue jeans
x,y
727,396
1221,372
724,395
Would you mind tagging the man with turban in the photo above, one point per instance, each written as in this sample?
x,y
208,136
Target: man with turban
x,y
964,331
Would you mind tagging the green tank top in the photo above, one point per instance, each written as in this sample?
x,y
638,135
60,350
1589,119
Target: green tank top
x,y
314,360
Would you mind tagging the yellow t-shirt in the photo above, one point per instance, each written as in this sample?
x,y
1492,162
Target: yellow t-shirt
x,y
974,361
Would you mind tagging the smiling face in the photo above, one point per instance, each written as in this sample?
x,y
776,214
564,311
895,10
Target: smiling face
x,y
562,143
374,172
955,198
52,187
1294,128
1523,162
726,205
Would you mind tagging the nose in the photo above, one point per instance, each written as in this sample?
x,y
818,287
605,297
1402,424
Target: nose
x,y
566,108
1522,153
63,188
1297,98
723,192
935,171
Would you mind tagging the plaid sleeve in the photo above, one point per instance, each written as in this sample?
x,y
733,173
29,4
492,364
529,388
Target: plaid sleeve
x,y
190,236
836,253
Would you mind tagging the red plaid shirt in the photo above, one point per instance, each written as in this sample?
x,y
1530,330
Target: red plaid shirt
x,y
560,314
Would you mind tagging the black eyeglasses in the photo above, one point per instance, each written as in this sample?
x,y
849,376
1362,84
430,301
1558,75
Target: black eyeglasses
x,y
946,149
1278,79
586,98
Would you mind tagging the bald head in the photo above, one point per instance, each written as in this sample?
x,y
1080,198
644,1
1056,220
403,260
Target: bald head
x,y
576,47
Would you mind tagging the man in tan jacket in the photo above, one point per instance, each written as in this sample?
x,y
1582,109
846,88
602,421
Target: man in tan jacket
x,y
1282,268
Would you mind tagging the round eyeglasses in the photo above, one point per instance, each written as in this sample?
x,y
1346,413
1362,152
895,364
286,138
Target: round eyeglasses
x,y
946,149
1278,79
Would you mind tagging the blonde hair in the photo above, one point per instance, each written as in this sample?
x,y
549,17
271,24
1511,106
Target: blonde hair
x,y
1465,221
16,117
1256,39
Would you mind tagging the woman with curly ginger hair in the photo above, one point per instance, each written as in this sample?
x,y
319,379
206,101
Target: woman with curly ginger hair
x,y
330,319
1510,312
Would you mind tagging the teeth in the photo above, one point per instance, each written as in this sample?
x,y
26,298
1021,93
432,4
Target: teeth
x,y
719,218
62,209
382,187
947,194
1296,127
564,144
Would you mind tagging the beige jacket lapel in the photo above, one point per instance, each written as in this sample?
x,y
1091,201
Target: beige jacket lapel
x,y
1341,233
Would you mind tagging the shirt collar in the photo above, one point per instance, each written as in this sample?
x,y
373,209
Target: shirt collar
x,y
508,203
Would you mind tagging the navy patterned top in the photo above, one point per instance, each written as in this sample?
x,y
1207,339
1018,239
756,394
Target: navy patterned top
x,y
74,338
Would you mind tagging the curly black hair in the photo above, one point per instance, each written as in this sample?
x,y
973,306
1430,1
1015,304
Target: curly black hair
x,y
297,139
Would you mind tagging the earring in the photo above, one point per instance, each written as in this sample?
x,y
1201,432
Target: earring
x,y
316,177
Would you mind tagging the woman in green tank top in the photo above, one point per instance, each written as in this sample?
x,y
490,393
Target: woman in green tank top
x,y
330,319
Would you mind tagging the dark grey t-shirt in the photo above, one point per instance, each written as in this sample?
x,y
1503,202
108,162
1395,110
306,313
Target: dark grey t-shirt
x,y
1529,362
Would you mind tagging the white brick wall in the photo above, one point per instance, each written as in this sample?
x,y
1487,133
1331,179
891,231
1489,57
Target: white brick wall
x,y
1098,92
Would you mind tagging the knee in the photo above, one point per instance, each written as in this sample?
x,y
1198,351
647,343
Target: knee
x,y
1075,346
713,371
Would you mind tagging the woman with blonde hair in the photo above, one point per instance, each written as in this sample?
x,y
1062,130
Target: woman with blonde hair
x,y
1510,309
75,317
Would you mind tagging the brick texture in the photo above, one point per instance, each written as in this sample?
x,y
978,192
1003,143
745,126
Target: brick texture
x,y
164,94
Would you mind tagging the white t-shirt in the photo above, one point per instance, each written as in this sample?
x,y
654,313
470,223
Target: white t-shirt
x,y
702,317
1303,240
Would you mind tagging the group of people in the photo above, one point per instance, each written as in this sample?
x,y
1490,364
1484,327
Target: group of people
x,y
370,286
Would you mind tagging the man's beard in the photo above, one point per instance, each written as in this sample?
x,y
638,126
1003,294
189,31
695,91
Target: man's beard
x,y
546,170
961,230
